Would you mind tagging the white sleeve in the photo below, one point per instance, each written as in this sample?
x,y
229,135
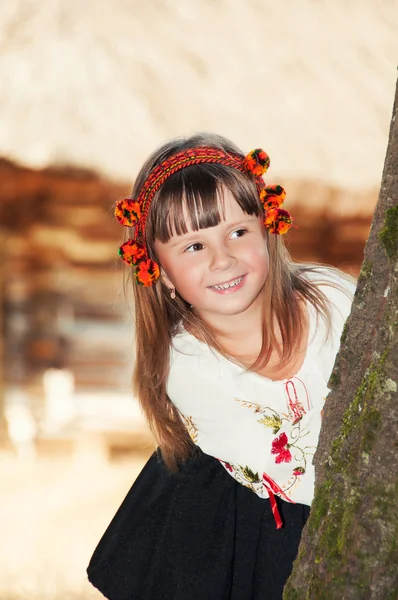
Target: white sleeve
x,y
245,435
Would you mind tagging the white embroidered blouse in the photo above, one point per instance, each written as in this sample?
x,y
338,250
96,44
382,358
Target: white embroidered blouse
x,y
264,432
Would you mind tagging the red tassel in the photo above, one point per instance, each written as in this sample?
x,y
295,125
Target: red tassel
x,y
273,488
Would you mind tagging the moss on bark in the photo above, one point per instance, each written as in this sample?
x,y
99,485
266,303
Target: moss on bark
x,y
389,234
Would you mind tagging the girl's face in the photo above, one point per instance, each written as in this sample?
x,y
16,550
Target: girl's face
x,y
219,270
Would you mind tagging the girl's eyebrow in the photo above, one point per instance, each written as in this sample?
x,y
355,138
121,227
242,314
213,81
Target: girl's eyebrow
x,y
185,238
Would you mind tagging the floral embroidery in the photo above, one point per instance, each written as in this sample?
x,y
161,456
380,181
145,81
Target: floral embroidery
x,y
280,447
245,476
191,428
273,421
250,475
269,417
285,449
298,471
295,405
227,466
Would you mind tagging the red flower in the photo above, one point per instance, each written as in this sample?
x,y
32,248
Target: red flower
x,y
272,196
298,471
146,272
128,212
278,220
131,252
226,465
257,162
280,447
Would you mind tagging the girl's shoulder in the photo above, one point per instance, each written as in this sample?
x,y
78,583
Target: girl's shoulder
x,y
338,290
185,347
331,277
195,366
337,287
192,361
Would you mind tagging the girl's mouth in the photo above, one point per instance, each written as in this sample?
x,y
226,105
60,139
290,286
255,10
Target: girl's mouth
x,y
230,286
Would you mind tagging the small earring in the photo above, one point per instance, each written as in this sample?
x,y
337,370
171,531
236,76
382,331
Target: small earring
x,y
173,294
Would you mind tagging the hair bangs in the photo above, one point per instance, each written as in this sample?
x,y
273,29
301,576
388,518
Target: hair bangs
x,y
191,199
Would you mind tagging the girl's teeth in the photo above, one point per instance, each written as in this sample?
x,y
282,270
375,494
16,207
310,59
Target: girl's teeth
x,y
228,285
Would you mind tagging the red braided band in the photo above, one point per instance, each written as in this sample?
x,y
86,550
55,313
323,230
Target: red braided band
x,y
187,158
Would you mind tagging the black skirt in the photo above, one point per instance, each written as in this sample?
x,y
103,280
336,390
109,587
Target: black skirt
x,y
195,535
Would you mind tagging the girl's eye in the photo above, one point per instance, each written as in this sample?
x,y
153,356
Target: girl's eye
x,y
238,233
194,247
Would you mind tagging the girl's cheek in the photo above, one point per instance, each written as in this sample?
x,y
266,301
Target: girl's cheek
x,y
192,259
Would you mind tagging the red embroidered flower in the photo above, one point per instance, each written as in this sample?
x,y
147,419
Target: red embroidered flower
x,y
226,465
280,447
298,471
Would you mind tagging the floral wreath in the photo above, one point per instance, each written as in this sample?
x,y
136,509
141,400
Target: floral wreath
x,y
133,212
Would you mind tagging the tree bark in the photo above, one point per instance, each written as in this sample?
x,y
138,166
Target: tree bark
x,y
349,547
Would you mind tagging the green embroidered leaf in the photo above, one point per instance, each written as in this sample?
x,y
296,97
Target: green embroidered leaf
x,y
250,476
272,421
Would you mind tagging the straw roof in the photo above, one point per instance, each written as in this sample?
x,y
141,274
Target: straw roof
x,y
99,84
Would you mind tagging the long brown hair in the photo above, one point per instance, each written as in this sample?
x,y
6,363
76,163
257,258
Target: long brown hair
x,y
194,191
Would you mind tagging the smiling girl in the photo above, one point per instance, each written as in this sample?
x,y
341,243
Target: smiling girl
x,y
235,344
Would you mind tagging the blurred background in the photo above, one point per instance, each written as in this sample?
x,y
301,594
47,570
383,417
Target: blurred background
x,y
88,89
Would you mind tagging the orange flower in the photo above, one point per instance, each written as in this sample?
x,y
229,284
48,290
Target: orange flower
x,y
257,162
272,196
284,226
278,221
146,272
131,252
127,212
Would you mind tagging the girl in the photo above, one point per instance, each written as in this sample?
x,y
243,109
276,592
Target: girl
x,y
235,344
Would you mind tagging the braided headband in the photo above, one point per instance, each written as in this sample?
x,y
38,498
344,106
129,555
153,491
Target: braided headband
x,y
133,212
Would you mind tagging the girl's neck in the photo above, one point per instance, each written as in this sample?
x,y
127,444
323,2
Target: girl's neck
x,y
242,341
233,329
239,330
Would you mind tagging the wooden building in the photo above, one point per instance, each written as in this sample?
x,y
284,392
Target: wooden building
x,y
91,90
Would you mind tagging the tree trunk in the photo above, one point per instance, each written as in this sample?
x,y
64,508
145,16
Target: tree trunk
x,y
349,548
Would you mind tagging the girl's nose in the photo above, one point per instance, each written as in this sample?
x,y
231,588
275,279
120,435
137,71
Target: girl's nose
x,y
221,259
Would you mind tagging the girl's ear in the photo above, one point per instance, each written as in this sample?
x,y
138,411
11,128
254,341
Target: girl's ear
x,y
166,280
